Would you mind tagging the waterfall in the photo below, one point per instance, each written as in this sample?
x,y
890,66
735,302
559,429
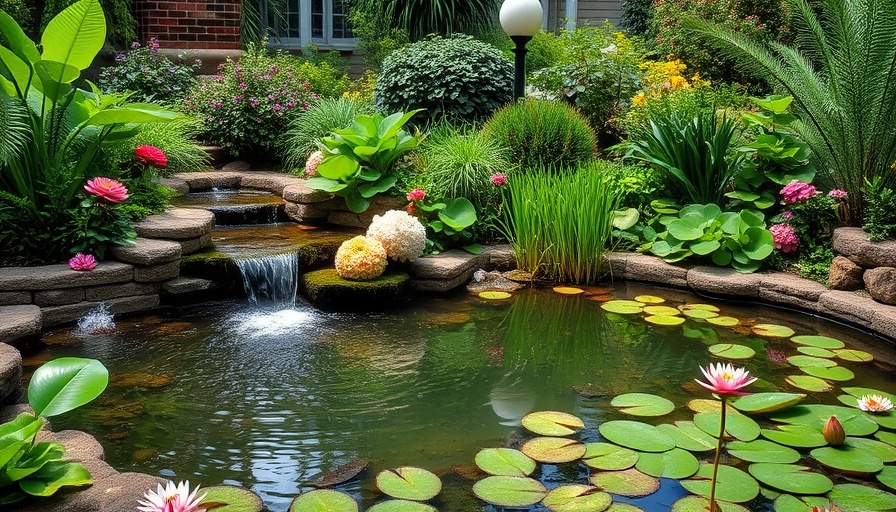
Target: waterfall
x,y
98,319
271,279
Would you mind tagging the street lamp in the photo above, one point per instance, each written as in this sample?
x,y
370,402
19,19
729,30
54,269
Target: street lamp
x,y
521,20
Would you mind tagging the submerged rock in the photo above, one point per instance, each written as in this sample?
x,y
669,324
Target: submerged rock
x,y
491,282
142,380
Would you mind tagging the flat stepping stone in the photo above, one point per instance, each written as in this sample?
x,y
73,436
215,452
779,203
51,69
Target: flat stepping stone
x,y
206,180
147,251
119,491
183,285
302,193
54,277
177,224
325,290
18,322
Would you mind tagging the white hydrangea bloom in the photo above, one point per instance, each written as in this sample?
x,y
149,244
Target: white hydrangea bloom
x,y
402,235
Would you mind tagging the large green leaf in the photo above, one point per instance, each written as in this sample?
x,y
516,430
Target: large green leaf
x,y
791,478
761,450
504,462
848,459
19,43
857,497
13,68
732,484
54,475
643,404
636,435
325,184
631,482
75,35
767,402
409,483
368,190
577,498
324,500
509,491
675,463
458,214
552,423
338,167
66,383
231,498
129,114
35,458
609,457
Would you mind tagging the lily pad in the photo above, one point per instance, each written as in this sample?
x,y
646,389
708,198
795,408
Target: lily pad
x,y
856,356
761,450
837,373
790,503
650,299
624,507
816,352
818,341
737,426
552,423
731,351
622,307
631,483
808,383
854,421
409,483
568,290
773,331
760,403
703,307
732,484
342,473
504,462
886,437
609,457
791,478
231,498
553,450
723,321
643,404
859,392
662,310
847,459
494,295
883,451
577,498
688,436
699,314
797,436
666,320
810,361
888,476
675,463
636,435
324,500
509,491
701,504
707,405
402,506
856,497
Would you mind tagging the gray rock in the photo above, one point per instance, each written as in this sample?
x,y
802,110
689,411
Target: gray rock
x,y
884,322
157,273
178,185
723,281
845,275
498,257
302,212
441,285
776,297
483,281
182,285
58,315
195,244
617,262
54,277
10,371
101,293
177,224
444,266
848,241
270,181
302,193
850,307
881,284
19,322
14,298
59,297
784,284
855,245
99,469
237,166
115,493
198,181
147,251
347,219
79,446
642,267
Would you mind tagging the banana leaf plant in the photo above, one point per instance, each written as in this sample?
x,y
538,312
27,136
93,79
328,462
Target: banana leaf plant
x,y
358,160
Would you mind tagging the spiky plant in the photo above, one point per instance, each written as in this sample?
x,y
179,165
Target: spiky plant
x,y
309,126
445,17
842,75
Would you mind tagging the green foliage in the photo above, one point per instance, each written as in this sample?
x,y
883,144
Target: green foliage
x,y
358,160
97,225
458,78
637,185
325,80
247,107
880,212
149,75
177,139
121,27
688,102
636,16
64,384
693,152
377,38
308,127
559,224
840,78
542,133
816,264
21,10
146,197
444,17
545,49
448,224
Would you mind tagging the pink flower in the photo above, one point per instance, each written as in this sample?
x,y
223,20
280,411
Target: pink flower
x,y
172,499
726,379
313,161
785,238
243,85
837,193
416,195
82,262
108,189
797,191
787,215
499,179
151,155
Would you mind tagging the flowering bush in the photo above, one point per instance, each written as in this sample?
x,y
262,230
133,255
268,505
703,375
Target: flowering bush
x,y
797,191
101,221
785,238
362,258
247,107
149,75
402,235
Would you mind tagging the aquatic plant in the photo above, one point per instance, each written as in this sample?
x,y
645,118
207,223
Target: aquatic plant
x,y
402,235
875,403
361,258
172,498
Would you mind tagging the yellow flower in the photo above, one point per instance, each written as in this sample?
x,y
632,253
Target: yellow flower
x,y
361,258
639,99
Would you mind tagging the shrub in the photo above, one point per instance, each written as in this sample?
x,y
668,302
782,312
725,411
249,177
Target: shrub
x,y
445,17
325,79
21,10
880,212
377,38
637,186
120,24
636,16
247,107
545,49
308,127
542,133
457,77
149,75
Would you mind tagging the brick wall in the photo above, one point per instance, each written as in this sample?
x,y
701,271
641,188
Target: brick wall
x,y
206,24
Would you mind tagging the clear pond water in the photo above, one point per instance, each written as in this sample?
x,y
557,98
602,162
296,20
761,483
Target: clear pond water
x,y
272,398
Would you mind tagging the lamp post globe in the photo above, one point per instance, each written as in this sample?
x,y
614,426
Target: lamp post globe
x,y
520,19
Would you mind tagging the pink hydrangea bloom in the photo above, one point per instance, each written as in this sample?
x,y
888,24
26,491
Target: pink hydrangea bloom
x,y
82,262
108,189
498,179
837,193
797,191
416,195
785,238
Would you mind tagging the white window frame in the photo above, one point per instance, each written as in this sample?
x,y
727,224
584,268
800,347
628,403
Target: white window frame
x,y
327,42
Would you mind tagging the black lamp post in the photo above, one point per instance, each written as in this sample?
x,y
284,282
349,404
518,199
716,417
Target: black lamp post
x,y
520,19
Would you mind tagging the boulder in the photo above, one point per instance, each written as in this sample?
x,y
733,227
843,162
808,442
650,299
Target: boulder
x,y
491,281
855,245
116,492
10,372
177,224
178,185
845,275
325,290
302,193
19,322
881,284
237,166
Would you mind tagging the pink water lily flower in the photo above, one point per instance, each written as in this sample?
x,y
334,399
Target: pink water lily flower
x,y
875,403
82,262
107,188
725,379
172,499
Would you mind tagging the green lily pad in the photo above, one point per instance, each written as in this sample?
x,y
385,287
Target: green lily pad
x,y
494,295
624,507
504,462
623,307
808,383
856,356
643,404
790,503
818,342
810,361
847,459
409,483
552,423
797,436
609,457
577,498
883,451
888,476
732,351
662,310
816,352
773,331
631,483
761,403
738,426
699,314
723,321
675,463
707,405
688,436
886,437
703,307
761,450
791,478
231,498
649,299
700,504
854,421
324,500
636,435
402,506
665,320
553,450
856,497
732,484
837,373
509,491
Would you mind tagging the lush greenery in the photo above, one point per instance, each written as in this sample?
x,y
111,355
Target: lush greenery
x,y
120,24
880,212
148,75
377,38
308,127
458,78
636,16
423,17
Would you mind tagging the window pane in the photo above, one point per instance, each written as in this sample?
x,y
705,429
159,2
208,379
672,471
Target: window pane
x,y
286,25
317,18
341,26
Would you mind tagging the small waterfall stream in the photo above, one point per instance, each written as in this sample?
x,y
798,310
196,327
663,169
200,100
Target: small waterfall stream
x,y
271,279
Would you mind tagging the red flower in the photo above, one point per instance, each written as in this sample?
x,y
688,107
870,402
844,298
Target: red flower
x,y
151,155
416,195
108,189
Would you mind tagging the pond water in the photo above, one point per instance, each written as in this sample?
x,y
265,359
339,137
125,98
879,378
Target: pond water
x,y
273,398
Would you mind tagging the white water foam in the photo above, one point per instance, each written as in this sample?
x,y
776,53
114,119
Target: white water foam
x,y
98,319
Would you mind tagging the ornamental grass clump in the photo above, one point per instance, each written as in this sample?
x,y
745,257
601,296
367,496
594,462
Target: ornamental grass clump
x,y
361,259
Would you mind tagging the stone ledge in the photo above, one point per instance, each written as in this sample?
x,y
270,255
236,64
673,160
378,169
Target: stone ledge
x,y
177,224
723,281
64,314
641,267
302,193
183,285
19,322
852,308
176,184
327,291
56,277
147,251
855,245
197,181
445,266
271,181
10,372
15,298
117,492
79,446
782,283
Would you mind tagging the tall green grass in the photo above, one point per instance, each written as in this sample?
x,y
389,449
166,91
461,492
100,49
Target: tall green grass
x,y
559,223
311,125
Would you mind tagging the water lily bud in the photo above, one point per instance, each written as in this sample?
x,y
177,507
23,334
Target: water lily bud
x,y
833,432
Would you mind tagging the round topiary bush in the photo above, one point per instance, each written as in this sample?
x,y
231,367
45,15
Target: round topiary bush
x,y
542,134
456,77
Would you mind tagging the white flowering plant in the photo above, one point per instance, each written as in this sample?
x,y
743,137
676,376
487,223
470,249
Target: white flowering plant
x,y
402,235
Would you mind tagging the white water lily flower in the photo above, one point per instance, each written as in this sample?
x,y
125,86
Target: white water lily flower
x,y
875,403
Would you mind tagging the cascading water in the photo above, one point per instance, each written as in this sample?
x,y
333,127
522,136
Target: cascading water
x,y
98,319
271,279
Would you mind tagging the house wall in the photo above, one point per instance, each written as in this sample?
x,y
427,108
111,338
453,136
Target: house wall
x,y
596,11
208,24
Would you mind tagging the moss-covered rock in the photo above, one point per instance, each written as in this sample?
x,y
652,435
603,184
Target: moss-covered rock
x,y
325,290
210,264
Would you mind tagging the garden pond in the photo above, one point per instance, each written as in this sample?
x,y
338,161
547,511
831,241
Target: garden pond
x,y
274,398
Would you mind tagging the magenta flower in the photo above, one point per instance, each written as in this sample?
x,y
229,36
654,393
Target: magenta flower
x,y
151,155
253,101
243,85
416,195
797,191
237,99
108,189
837,193
726,379
172,499
785,238
82,262
787,215
498,179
